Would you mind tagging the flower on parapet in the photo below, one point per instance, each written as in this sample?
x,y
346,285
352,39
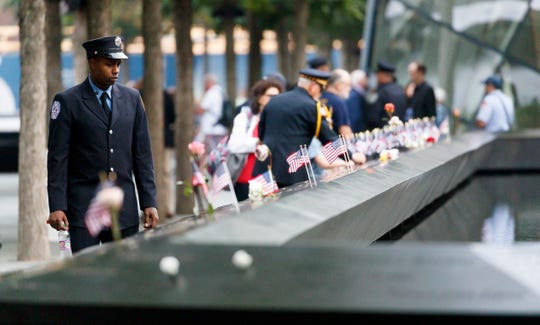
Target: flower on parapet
x,y
196,148
198,185
389,108
395,121
255,191
389,154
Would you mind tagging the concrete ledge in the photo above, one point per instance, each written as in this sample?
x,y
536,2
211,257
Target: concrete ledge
x,y
514,151
359,207
339,282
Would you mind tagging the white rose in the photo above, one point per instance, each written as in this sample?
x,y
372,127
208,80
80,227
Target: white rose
x,y
169,265
241,259
255,191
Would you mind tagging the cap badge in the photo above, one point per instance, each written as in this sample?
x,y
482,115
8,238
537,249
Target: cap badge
x,y
117,41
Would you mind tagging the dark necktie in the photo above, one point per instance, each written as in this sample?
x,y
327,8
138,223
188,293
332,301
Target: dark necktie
x,y
104,105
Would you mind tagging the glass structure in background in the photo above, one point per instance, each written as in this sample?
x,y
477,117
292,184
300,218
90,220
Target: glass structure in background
x,y
461,42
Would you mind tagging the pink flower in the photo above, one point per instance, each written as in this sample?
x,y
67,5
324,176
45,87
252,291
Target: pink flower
x,y
111,197
196,148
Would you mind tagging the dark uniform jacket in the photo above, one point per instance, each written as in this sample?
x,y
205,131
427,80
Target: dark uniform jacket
x,y
387,93
423,101
288,121
357,106
82,143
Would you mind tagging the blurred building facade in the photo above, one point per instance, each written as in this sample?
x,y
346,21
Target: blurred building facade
x,y
461,42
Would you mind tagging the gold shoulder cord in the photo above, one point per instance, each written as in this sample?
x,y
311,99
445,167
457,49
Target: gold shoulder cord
x,y
319,119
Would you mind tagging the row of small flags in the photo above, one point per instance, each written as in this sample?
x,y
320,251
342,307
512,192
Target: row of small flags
x,y
331,151
222,179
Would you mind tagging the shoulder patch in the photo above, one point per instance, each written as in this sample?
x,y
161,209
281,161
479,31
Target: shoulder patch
x,y
55,109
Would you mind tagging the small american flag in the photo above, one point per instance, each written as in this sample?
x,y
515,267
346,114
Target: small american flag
x,y
269,185
221,178
198,177
444,127
333,149
98,215
297,160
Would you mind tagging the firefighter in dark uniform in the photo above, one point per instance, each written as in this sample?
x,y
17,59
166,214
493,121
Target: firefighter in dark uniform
x,y
289,120
87,139
388,91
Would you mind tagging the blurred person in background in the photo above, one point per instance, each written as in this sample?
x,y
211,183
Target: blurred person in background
x,y
289,121
208,111
336,92
334,97
356,102
420,94
245,133
496,111
276,76
442,111
387,91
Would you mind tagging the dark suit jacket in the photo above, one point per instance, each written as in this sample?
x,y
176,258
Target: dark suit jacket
x,y
357,106
82,144
387,93
423,101
288,121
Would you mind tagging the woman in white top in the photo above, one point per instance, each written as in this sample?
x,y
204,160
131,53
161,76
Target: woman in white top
x,y
244,134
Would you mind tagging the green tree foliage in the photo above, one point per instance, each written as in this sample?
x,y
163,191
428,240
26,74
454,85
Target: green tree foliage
x,y
212,12
126,18
335,19
270,12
